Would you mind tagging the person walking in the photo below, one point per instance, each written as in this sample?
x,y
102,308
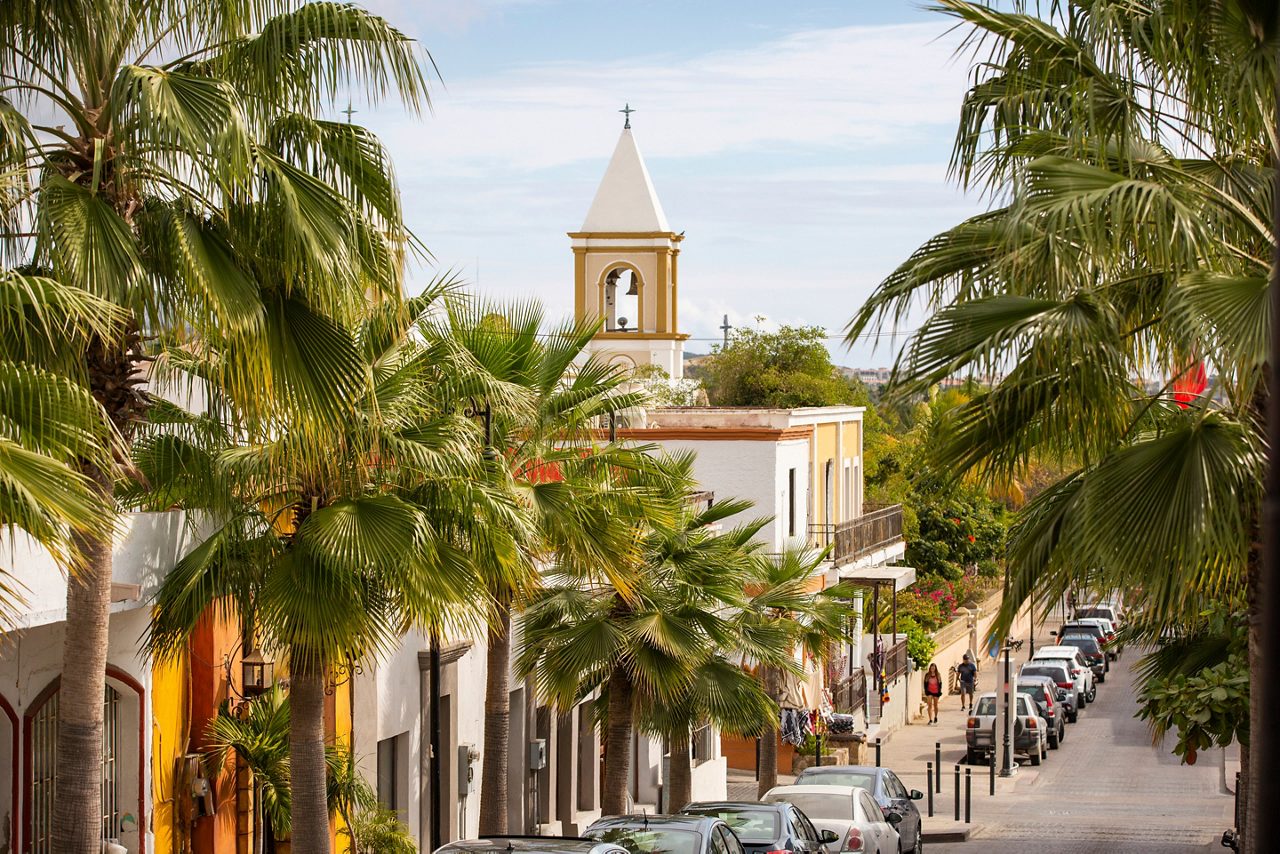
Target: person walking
x,y
968,674
932,692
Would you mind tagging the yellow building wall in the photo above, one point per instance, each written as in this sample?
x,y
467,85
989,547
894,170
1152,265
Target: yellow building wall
x,y
169,696
824,448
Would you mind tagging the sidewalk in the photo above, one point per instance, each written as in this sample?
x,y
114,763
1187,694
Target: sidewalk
x,y
907,750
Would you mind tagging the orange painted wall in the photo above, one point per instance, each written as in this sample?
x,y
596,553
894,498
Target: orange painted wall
x,y
213,638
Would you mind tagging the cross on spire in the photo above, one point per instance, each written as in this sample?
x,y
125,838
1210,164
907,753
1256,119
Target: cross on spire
x,y
349,112
627,111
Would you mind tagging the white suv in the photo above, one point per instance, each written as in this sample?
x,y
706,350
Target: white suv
x,y
1081,672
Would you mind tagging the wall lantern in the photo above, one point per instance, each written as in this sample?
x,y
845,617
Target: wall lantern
x,y
256,674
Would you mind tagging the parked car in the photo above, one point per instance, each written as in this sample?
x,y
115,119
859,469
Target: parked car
x,y
1045,694
1109,629
530,845
666,834
765,828
1088,628
1099,609
1061,676
1092,652
1029,731
885,788
849,812
1081,673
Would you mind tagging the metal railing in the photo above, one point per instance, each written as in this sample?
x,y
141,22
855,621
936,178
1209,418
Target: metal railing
x,y
877,527
703,744
849,695
895,661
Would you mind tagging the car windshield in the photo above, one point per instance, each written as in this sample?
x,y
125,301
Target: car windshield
x,y
1105,613
750,825
1084,642
653,840
987,706
861,779
821,805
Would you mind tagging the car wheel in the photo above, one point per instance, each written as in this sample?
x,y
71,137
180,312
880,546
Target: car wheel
x,y
1103,677
1093,695
919,849
1082,700
1035,756
1071,718
970,758
1053,741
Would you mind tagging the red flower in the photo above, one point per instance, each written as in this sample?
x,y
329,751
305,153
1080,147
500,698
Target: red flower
x,y
972,538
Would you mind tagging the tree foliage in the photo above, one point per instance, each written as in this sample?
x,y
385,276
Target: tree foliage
x,y
787,368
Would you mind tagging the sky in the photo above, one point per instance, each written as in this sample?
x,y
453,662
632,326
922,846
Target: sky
x,y
801,146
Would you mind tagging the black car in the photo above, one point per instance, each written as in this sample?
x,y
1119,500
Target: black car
x,y
884,786
1092,652
1061,678
530,845
762,828
666,834
1043,690
1091,629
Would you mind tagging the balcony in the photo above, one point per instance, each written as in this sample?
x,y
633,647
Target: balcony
x,y
877,527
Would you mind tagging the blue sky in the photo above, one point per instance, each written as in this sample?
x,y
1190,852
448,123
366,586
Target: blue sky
x,y
802,146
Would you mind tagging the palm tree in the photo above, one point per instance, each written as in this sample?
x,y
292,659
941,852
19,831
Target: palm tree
x,y
789,611
334,535
635,631
546,444
154,152
259,738
1132,150
48,422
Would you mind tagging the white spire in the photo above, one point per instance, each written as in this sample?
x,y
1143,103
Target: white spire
x,y
626,201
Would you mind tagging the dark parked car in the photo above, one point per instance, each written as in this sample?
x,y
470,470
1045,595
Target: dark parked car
x,y
530,845
762,828
1092,652
666,834
1043,690
1061,677
883,785
1092,629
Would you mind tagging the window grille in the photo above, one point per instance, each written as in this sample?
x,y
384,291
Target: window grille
x,y
44,769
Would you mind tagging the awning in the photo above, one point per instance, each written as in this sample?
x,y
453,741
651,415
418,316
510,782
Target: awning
x,y
901,577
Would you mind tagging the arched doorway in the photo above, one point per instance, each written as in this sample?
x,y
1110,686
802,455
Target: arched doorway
x,y
121,777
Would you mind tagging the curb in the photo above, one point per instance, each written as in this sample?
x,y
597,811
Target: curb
x,y
950,835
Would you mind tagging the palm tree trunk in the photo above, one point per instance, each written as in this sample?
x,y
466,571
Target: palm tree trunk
x,y
617,746
767,769
77,822
497,724
310,826
680,787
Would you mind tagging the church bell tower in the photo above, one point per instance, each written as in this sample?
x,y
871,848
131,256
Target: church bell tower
x,y
625,266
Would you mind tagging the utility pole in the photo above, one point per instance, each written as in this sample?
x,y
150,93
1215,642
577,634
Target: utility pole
x,y
726,327
1006,762
1262,809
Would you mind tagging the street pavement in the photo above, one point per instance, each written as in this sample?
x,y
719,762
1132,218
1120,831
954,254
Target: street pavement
x,y
1107,789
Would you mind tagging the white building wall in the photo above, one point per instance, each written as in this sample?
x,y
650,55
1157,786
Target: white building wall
x,y
30,659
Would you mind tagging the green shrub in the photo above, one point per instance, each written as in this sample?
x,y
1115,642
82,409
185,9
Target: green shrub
x,y
920,643
379,831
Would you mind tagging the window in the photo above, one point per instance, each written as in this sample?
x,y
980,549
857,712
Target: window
x,y
387,775
44,770
870,808
829,486
803,828
791,502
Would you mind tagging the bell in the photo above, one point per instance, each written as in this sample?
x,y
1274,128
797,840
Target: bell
x,y
633,290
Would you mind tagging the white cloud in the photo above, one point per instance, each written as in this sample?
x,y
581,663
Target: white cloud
x,y
836,88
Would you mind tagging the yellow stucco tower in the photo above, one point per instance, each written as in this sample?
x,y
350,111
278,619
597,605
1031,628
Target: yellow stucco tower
x,y
625,266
